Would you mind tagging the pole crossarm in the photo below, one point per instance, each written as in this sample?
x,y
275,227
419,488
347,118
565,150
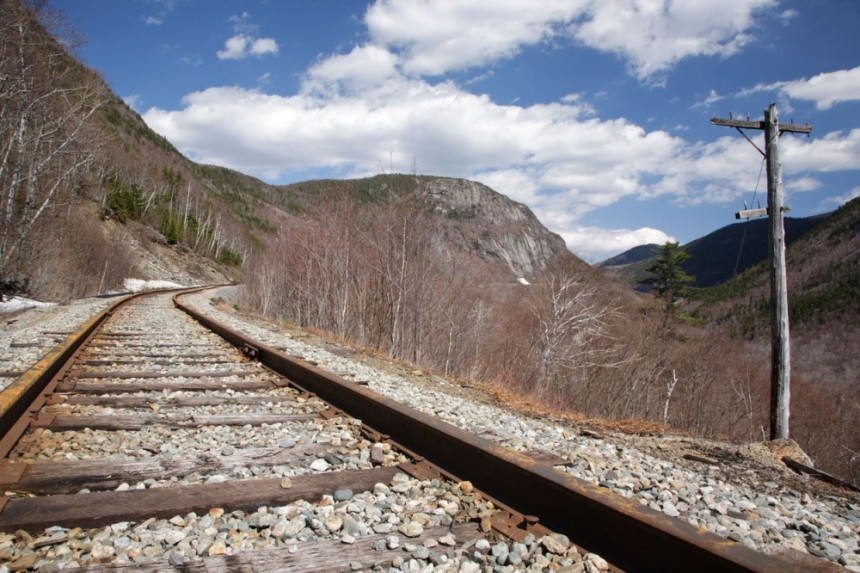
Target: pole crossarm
x,y
747,124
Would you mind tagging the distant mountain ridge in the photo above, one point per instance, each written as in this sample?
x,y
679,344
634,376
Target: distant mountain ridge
x,y
716,257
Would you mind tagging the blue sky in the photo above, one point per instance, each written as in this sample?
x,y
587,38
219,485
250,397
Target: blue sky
x,y
594,113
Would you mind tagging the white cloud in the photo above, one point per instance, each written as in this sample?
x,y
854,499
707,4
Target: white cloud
x,y
365,67
245,42
713,97
235,48
727,169
826,89
594,244
132,101
577,160
437,36
839,200
834,151
653,36
263,46
802,184
240,46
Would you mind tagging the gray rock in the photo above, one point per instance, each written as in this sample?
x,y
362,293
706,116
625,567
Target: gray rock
x,y
555,543
351,526
175,559
500,551
670,509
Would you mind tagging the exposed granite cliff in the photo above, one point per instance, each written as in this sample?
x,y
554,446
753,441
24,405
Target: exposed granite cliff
x,y
493,226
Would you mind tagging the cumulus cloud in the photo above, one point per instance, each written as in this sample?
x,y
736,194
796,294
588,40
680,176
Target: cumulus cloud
x,y
365,67
244,42
826,89
802,184
834,151
594,244
654,36
437,36
240,46
839,200
445,129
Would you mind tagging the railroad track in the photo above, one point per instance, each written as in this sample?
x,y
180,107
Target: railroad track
x,y
147,441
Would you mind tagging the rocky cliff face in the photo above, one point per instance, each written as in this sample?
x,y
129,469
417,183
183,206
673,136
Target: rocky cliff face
x,y
495,227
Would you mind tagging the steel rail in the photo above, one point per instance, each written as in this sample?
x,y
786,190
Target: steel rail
x,y
629,535
27,392
24,394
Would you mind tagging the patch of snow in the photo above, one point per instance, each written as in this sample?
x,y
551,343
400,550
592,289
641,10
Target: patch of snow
x,y
139,285
524,281
17,303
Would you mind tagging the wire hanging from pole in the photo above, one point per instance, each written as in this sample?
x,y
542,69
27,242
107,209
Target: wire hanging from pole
x,y
744,236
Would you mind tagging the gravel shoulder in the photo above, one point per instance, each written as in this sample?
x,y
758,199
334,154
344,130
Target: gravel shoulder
x,y
742,491
26,336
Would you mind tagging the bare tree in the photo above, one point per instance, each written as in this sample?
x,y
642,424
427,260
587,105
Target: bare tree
x,y
572,336
47,136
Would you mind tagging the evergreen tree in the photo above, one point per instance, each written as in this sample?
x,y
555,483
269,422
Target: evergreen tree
x,y
667,278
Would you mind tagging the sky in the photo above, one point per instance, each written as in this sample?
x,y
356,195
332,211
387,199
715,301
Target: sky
x,y
594,113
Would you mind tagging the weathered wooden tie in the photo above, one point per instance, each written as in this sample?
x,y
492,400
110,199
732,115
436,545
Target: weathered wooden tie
x,y
51,478
101,508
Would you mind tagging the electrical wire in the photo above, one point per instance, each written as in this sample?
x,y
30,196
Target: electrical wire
x,y
744,236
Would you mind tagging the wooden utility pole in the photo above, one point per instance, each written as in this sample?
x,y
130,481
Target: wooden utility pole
x,y
780,356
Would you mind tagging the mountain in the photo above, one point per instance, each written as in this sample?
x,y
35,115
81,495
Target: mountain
x,y
468,216
823,268
630,256
716,257
111,199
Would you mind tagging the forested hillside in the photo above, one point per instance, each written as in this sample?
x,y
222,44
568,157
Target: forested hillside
x,y
90,194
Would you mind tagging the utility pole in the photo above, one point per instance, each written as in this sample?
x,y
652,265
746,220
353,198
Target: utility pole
x,y
780,356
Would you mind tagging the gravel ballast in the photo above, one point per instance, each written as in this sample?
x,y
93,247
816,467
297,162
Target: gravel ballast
x,y
753,499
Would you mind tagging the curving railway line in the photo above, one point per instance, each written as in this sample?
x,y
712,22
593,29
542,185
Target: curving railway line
x,y
154,439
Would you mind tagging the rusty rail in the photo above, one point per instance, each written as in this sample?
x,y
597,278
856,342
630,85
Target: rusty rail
x,y
25,393
28,391
630,536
